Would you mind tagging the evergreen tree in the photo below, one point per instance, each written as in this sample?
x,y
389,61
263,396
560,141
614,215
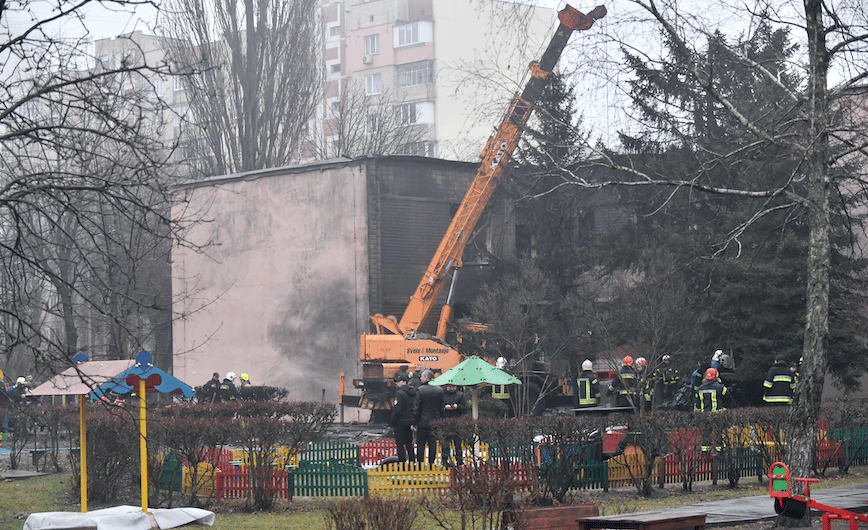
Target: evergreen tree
x,y
749,278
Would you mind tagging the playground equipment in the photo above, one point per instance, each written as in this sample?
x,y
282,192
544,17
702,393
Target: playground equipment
x,y
796,506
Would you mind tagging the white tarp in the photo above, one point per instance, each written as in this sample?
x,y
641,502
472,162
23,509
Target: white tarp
x,y
119,518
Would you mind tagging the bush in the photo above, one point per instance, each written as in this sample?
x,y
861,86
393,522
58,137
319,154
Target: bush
x,y
112,453
371,513
262,427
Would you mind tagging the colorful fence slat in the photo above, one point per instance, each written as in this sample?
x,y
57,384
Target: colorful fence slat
x,y
375,451
235,484
331,451
328,479
408,478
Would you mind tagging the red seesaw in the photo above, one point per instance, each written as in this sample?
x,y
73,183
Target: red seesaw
x,y
796,506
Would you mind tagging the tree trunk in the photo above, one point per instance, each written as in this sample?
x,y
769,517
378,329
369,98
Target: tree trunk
x,y
805,411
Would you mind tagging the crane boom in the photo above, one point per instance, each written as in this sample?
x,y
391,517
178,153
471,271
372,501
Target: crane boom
x,y
497,152
382,354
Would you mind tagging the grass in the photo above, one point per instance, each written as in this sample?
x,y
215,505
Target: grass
x,y
51,493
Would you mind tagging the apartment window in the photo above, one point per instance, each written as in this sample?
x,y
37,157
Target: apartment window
x,y
335,31
335,68
418,73
373,84
418,149
372,44
177,85
408,34
372,124
405,114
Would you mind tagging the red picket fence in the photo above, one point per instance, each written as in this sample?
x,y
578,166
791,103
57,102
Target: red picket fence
x,y
234,483
373,452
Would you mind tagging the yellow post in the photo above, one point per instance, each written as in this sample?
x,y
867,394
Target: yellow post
x,y
143,446
82,448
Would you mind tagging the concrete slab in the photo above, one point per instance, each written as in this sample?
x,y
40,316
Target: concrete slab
x,y
15,474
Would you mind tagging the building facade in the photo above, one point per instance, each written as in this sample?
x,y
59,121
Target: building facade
x,y
281,279
450,67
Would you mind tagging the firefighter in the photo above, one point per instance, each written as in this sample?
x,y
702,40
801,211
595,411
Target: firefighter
x,y
245,380
625,384
227,392
664,381
710,395
780,383
588,387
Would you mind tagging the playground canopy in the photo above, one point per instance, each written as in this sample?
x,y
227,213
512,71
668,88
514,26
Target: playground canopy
x,y
96,379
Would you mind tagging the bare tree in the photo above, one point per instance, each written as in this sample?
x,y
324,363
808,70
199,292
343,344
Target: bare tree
x,y
372,125
814,126
84,202
255,79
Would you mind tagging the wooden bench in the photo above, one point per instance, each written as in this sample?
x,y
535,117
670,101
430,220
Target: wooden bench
x,y
552,517
643,521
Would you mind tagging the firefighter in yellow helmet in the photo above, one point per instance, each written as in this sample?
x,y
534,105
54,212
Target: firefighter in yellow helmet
x,y
245,380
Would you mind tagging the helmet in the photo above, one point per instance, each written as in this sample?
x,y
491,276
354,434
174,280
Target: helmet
x,y
665,359
716,356
245,377
642,362
628,361
21,381
501,363
711,373
587,365
727,362
230,376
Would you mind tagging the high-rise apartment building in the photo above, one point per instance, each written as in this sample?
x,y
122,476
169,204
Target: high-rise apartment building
x,y
450,66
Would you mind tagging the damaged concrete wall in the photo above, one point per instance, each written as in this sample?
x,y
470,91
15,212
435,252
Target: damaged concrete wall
x,y
279,289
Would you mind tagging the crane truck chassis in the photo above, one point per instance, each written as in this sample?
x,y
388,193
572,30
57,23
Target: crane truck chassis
x,y
396,344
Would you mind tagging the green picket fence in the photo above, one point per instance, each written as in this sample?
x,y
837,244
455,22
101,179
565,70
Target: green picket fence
x,y
331,451
739,461
328,479
854,444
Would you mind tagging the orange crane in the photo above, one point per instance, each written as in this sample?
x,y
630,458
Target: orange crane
x,y
396,342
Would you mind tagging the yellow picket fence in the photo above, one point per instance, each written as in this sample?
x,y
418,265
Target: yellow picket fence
x,y
408,478
204,479
281,455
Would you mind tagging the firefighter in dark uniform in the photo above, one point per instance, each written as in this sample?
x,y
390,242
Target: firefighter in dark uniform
x,y
227,392
625,384
710,397
665,381
588,387
779,384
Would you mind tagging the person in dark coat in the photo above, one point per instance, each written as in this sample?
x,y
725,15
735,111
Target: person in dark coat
x,y
427,408
402,417
209,389
779,384
227,392
454,406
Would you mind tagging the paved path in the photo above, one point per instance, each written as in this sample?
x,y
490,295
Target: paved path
x,y
748,509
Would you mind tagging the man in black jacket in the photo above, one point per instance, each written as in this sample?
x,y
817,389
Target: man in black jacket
x,y
209,389
402,417
454,406
427,408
